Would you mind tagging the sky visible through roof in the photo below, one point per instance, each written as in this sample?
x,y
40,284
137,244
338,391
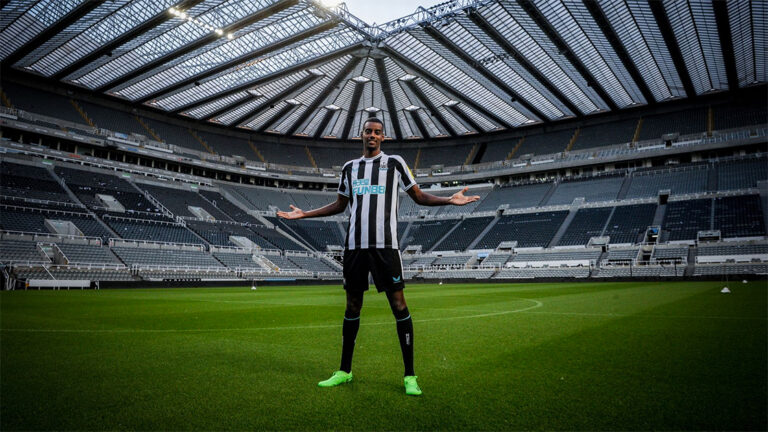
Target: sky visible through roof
x,y
381,11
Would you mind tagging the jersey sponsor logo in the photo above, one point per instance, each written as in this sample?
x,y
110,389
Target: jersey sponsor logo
x,y
364,187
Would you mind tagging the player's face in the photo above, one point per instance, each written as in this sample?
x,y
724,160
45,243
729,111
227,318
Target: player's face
x,y
373,134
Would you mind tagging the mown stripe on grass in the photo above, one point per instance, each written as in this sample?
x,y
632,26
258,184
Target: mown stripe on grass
x,y
537,304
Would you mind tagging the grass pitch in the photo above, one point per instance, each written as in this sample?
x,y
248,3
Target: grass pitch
x,y
677,355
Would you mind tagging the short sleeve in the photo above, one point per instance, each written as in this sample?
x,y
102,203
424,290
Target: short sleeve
x,y
406,178
343,182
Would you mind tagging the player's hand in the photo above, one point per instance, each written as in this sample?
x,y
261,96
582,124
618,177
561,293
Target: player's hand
x,y
460,199
295,213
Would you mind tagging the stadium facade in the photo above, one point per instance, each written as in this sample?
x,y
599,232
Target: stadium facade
x,y
606,139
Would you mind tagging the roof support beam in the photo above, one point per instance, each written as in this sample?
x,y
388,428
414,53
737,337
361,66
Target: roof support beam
x,y
242,59
523,61
602,21
74,15
419,124
726,42
355,100
436,35
344,72
657,8
187,48
269,103
467,119
230,107
432,109
444,87
381,69
323,123
284,72
563,47
278,115
125,37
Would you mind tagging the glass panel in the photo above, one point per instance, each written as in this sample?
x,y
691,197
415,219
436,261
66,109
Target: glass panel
x,y
179,33
92,36
637,30
467,36
266,92
760,39
214,106
226,52
426,52
696,33
512,22
31,21
573,21
740,19
272,64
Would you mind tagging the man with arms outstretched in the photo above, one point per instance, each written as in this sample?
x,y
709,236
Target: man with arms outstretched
x,y
369,186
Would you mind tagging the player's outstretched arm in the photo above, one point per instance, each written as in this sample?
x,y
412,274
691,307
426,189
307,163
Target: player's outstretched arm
x,y
427,199
331,209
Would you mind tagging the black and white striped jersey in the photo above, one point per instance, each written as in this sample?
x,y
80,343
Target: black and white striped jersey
x,y
372,184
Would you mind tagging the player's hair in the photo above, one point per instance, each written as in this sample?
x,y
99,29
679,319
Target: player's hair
x,y
374,120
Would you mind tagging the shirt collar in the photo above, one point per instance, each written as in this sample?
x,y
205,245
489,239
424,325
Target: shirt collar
x,y
381,153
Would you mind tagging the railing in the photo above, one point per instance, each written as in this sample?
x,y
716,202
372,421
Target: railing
x,y
139,220
186,268
35,236
25,200
94,266
39,210
139,243
642,146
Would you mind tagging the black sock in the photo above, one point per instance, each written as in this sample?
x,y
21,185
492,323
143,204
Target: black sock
x,y
405,334
348,336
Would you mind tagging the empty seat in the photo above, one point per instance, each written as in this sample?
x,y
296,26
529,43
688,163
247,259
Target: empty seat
x,y
529,230
628,223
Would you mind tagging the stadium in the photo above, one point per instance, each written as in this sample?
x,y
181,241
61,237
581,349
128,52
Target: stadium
x,y
612,275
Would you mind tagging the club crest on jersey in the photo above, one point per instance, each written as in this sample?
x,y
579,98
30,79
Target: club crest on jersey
x,y
383,166
364,187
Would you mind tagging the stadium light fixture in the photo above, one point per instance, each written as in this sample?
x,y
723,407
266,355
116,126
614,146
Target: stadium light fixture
x,y
198,22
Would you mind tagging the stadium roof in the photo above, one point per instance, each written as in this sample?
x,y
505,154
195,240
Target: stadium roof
x,y
297,68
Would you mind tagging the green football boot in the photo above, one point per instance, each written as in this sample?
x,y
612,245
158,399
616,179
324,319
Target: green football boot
x,y
411,386
338,377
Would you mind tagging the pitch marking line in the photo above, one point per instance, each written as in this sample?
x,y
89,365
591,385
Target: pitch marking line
x,y
537,304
